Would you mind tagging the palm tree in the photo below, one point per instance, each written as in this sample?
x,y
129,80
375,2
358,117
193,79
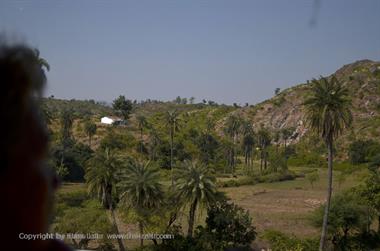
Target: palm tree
x,y
90,129
142,191
172,123
232,128
66,121
154,142
141,123
248,142
102,176
286,133
264,140
41,61
196,187
328,114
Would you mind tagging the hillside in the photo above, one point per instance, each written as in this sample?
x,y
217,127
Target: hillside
x,y
285,110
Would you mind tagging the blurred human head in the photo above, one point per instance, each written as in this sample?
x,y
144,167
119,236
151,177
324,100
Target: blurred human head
x,y
25,185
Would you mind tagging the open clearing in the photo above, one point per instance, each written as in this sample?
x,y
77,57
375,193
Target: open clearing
x,y
286,205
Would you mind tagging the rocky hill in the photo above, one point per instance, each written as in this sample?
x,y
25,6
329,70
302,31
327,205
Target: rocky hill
x,y
285,110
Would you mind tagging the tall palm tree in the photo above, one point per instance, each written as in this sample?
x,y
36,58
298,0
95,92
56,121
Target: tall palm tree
x,y
142,191
232,128
154,142
196,187
142,123
286,134
172,123
264,140
101,177
90,129
66,121
328,114
248,142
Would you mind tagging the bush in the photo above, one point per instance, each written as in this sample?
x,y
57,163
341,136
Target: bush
x,y
348,221
88,218
269,177
312,178
281,242
227,226
362,151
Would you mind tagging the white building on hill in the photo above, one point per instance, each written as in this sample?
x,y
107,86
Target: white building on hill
x,y
111,121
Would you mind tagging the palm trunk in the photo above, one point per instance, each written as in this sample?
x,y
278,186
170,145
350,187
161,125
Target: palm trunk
x,y
378,226
265,160
171,154
322,242
141,227
193,207
141,140
110,206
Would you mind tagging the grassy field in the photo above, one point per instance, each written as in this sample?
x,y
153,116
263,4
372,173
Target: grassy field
x,y
286,205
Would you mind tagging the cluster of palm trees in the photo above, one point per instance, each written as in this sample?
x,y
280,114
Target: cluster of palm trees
x,y
242,131
137,187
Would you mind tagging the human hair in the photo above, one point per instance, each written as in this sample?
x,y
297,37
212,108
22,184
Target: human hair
x,y
21,83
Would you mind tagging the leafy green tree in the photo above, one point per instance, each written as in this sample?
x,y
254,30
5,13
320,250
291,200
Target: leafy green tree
x,y
328,114
196,187
227,226
90,129
123,106
348,219
361,151
101,177
142,123
371,192
142,191
173,124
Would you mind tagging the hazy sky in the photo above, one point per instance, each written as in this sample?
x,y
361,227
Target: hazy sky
x,y
227,51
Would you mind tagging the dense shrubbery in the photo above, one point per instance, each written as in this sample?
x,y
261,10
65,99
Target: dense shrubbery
x,y
363,151
268,177
227,226
76,213
281,242
349,220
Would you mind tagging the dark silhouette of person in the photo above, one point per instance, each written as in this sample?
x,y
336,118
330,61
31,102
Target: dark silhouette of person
x,y
26,185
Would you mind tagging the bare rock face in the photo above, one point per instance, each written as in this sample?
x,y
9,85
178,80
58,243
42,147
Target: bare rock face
x,y
285,110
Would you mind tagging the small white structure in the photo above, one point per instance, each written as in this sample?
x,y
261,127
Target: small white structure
x,y
107,120
111,121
